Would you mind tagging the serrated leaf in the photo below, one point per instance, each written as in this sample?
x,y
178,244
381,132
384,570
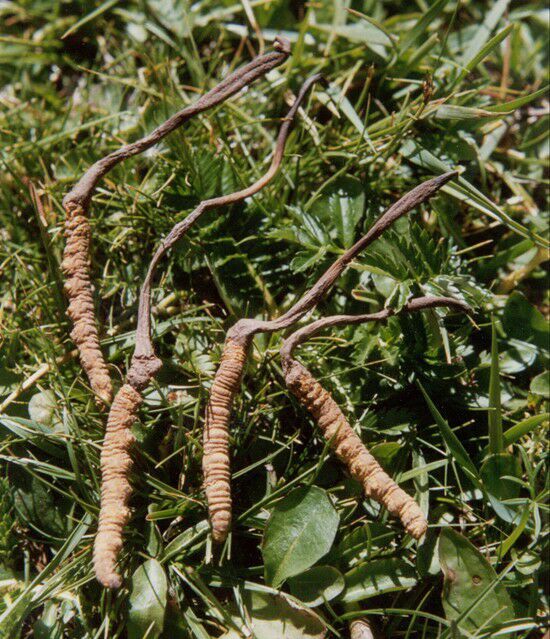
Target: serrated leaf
x,y
299,532
342,203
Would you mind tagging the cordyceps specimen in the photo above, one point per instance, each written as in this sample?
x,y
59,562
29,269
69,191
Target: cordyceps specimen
x,y
76,256
116,460
347,445
216,466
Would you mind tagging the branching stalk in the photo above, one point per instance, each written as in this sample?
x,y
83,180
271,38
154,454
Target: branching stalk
x,y
334,426
235,354
115,455
76,255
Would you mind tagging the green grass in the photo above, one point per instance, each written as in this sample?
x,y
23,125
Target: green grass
x,y
453,408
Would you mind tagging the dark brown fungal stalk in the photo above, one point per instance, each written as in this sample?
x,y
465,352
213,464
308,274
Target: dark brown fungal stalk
x,y
334,426
216,466
76,256
115,454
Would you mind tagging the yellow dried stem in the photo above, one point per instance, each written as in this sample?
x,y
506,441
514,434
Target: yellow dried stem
x,y
76,267
116,462
215,461
352,452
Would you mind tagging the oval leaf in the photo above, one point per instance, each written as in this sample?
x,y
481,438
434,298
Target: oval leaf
x,y
147,602
299,532
317,585
472,595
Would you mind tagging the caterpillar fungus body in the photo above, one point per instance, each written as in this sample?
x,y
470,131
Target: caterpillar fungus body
x,y
114,512
334,426
239,340
76,255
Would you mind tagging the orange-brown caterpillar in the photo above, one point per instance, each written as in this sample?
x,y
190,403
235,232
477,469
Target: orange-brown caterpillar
x,y
145,364
215,461
116,462
243,331
76,257
347,445
76,268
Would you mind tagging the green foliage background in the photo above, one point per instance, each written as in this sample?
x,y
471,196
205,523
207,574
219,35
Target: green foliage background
x,y
453,407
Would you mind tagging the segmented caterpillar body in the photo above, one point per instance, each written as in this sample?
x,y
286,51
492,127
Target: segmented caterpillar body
x,y
245,329
215,461
76,262
351,451
116,463
76,268
145,365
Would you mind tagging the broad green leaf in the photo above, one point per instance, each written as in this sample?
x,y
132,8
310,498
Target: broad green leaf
x,y
495,410
39,506
316,585
147,601
522,321
299,532
517,357
540,385
472,595
275,616
377,577
385,453
451,440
